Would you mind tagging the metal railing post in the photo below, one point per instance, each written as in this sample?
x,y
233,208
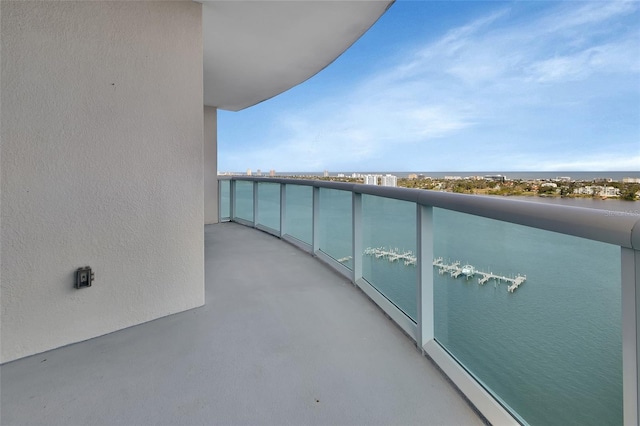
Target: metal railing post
x,y
424,255
630,274
232,200
315,230
219,200
356,222
255,203
283,209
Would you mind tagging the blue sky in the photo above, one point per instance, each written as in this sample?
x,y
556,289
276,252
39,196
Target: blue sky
x,y
460,86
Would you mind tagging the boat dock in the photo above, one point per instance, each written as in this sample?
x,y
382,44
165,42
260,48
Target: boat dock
x,y
455,270
392,255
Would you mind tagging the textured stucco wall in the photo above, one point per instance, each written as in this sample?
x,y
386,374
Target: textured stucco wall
x,y
210,165
101,164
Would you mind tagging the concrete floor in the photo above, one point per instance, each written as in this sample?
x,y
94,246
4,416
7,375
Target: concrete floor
x,y
282,340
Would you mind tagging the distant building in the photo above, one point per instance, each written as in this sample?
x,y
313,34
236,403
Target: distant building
x,y
340,174
452,177
326,173
630,180
389,180
412,176
497,178
248,172
370,180
602,191
258,172
272,173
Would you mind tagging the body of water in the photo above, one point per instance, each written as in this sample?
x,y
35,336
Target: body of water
x,y
552,349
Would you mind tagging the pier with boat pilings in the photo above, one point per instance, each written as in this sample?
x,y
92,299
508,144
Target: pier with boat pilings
x,y
455,270
392,255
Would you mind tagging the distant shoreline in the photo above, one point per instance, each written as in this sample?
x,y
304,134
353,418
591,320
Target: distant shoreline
x,y
623,186
531,175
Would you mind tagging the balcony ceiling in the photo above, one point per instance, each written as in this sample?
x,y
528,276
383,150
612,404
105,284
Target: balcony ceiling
x,y
254,50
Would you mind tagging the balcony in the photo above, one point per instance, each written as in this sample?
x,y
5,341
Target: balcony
x,y
108,159
282,339
287,339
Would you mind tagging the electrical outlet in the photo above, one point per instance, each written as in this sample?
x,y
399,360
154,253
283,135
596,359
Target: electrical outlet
x,y
84,277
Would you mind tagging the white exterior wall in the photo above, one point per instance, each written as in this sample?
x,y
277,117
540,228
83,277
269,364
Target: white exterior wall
x,y
101,165
210,165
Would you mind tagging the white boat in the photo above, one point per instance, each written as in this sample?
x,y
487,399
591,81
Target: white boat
x,y
468,271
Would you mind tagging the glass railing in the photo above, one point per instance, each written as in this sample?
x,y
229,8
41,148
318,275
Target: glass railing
x,y
530,309
335,225
299,213
269,206
243,200
225,200
549,348
389,256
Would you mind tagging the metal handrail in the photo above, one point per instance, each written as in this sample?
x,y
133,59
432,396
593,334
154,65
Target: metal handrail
x,y
594,224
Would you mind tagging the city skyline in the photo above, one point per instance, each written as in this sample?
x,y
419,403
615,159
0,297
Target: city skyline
x,y
460,86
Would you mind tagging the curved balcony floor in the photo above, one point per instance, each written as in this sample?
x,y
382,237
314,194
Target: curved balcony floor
x,y
282,340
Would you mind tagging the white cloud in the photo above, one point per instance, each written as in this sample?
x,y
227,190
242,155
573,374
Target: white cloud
x,y
603,161
501,80
612,58
578,15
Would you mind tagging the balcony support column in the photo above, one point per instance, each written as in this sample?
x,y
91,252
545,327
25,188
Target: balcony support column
x,y
630,263
426,322
356,221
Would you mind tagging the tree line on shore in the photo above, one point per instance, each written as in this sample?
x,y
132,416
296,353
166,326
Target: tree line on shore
x,y
628,191
515,187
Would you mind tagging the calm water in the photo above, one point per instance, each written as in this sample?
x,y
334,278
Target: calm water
x,y
552,350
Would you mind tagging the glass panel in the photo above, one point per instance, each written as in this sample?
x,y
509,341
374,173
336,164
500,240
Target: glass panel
x,y
389,243
244,200
269,205
225,199
550,349
299,218
335,225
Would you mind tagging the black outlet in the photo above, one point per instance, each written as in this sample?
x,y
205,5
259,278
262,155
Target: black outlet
x,y
84,277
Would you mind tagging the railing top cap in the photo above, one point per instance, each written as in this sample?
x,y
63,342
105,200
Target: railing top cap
x,y
601,225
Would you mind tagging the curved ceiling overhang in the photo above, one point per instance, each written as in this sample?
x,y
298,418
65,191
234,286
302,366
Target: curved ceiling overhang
x,y
255,50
